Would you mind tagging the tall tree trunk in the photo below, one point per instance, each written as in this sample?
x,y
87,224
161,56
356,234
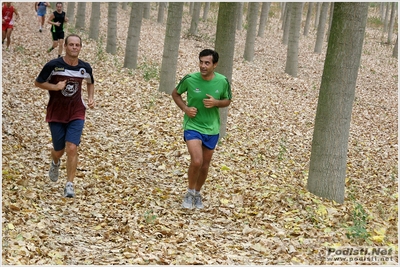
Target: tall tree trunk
x,y
321,28
80,16
225,46
382,10
391,23
332,123
124,5
328,32
251,31
308,19
171,47
71,12
292,58
263,18
283,13
205,10
161,10
317,14
395,48
386,21
112,28
286,24
195,18
132,41
94,21
239,21
146,10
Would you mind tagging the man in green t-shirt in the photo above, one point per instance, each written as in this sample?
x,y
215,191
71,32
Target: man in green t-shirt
x,y
207,91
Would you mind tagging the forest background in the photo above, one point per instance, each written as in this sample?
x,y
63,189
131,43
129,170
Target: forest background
x,y
133,161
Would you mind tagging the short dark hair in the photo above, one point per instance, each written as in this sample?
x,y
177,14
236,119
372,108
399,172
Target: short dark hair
x,y
210,52
59,3
73,35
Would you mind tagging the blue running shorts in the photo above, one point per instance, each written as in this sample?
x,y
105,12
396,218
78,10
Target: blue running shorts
x,y
209,141
66,132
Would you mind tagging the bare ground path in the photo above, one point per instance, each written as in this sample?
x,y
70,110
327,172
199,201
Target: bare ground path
x,y
133,162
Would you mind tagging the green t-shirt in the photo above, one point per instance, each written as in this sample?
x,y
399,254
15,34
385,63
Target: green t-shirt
x,y
207,120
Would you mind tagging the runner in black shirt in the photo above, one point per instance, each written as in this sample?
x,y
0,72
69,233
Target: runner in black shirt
x,y
57,20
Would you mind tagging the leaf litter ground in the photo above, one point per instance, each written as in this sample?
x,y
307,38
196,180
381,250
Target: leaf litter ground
x,y
132,169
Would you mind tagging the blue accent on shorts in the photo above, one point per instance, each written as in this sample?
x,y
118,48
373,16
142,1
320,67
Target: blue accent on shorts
x,y
66,132
209,141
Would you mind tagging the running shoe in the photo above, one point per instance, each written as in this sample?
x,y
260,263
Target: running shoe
x,y
54,170
198,201
188,201
69,190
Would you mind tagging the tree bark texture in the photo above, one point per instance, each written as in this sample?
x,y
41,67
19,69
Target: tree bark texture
x,y
112,28
317,14
205,10
146,10
286,24
171,47
80,16
321,28
332,123
263,18
391,23
94,21
132,41
292,58
161,10
195,18
225,46
239,23
251,31
308,19
396,48
71,12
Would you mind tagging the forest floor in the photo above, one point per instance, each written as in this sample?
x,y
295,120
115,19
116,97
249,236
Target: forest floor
x,y
132,161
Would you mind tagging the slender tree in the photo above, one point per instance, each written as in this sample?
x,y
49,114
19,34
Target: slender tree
x,y
263,18
283,13
124,5
132,41
391,23
292,58
251,31
205,10
382,10
146,11
71,12
332,123
395,48
239,23
161,10
94,21
321,28
328,32
112,28
286,24
225,46
171,47
317,14
386,21
308,19
195,18
80,16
